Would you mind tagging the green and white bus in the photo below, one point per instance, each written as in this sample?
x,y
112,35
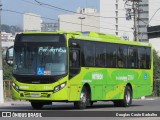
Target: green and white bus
x,y
82,68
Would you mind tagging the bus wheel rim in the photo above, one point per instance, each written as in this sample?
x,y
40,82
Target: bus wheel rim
x,y
128,97
83,98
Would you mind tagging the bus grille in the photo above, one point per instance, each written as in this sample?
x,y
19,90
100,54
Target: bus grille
x,y
42,95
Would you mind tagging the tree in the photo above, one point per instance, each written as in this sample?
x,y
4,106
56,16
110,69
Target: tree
x,y
11,29
7,72
156,65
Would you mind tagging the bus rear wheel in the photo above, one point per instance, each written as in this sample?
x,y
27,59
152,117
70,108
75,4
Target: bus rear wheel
x,y
82,104
37,105
127,101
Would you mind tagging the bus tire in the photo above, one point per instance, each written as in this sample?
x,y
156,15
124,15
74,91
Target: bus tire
x,y
82,104
37,105
127,101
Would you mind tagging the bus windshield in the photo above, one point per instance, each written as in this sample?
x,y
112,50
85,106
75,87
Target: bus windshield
x,y
39,60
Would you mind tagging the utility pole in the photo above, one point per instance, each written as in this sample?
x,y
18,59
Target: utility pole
x,y
1,67
81,18
135,20
133,12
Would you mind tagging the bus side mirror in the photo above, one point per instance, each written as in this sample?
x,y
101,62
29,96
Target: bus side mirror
x,y
9,56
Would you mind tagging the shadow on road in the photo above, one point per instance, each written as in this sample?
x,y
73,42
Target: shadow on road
x,y
96,107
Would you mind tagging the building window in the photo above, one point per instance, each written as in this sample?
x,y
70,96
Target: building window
x,y
116,20
116,27
116,13
116,6
116,33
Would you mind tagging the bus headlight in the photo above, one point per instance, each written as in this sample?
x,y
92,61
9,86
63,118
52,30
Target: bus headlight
x,y
59,87
15,87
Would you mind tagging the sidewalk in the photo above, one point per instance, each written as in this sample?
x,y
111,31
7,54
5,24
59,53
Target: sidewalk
x,y
10,102
147,98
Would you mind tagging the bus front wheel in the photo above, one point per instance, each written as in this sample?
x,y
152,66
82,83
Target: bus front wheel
x,y
82,104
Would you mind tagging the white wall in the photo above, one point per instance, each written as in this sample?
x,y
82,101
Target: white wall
x,y
71,22
108,9
31,22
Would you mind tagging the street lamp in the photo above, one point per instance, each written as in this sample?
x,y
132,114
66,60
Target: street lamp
x,y
153,15
81,18
147,24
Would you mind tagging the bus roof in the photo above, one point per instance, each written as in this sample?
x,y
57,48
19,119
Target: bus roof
x,y
94,36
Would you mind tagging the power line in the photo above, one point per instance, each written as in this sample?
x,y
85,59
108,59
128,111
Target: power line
x,y
33,3
76,13
45,4
7,10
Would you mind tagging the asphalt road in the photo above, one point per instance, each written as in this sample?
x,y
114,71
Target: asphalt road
x,y
137,105
150,104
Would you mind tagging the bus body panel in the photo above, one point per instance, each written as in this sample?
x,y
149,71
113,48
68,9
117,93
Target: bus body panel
x,y
109,84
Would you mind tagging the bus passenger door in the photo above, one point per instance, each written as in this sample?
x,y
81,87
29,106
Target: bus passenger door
x,y
74,70
74,62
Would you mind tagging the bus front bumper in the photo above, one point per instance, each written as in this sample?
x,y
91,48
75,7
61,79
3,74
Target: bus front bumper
x,y
60,95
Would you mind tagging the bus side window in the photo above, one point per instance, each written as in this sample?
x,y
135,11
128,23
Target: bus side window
x,y
132,57
111,55
148,59
142,57
122,56
89,53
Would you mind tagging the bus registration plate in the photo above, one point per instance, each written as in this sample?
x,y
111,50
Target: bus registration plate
x,y
35,95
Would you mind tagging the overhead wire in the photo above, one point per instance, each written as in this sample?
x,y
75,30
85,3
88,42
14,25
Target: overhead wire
x,y
45,4
13,11
78,13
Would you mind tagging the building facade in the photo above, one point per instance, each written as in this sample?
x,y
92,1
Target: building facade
x,y
31,22
49,27
143,19
119,24
86,19
7,39
113,19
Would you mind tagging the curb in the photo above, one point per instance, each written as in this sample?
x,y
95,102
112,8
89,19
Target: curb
x,y
13,103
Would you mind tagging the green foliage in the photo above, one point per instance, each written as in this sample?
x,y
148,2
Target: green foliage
x,y
156,88
156,65
11,29
7,72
